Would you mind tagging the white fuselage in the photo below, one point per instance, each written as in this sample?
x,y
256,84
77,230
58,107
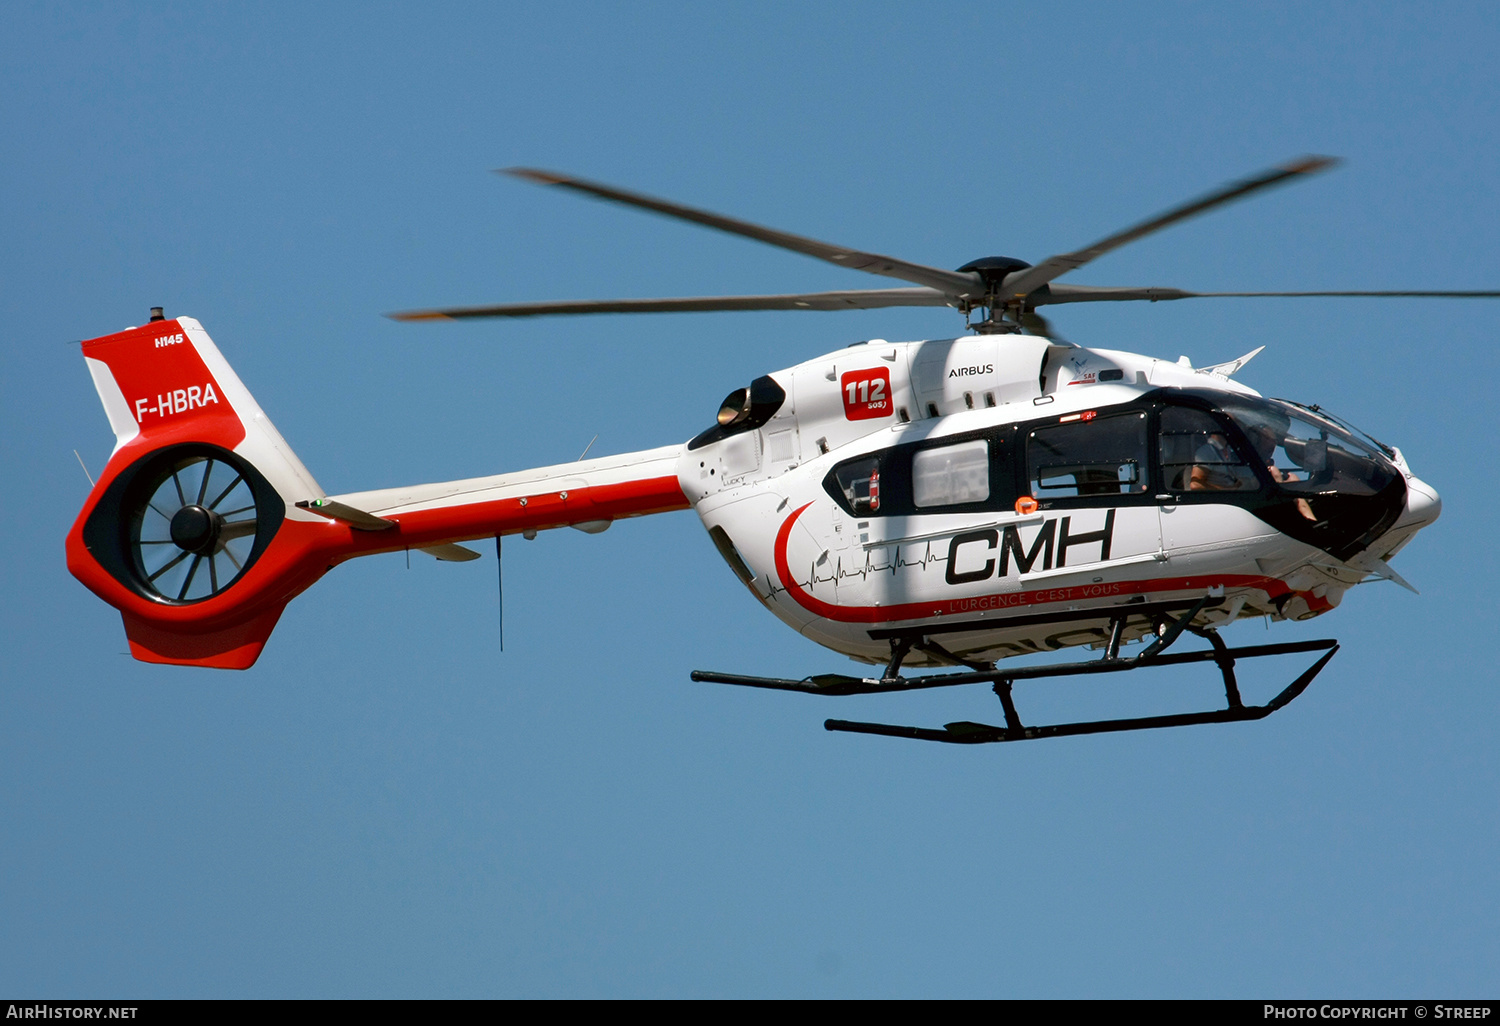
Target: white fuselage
x,y
979,574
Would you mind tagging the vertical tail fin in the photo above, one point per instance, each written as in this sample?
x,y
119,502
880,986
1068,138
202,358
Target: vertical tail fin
x,y
168,382
180,531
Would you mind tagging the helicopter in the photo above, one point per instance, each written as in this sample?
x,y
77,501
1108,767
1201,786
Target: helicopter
x,y
945,505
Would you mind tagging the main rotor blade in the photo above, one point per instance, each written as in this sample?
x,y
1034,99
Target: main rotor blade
x,y
955,283
1365,295
1033,278
1105,293
858,299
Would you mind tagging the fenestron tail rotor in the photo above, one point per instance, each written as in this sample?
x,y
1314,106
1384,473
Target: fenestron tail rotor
x,y
193,532
1006,290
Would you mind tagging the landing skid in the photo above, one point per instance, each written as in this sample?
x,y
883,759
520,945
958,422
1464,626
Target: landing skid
x,y
965,732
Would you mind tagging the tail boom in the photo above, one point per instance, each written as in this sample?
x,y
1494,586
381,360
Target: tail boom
x,y
567,495
180,414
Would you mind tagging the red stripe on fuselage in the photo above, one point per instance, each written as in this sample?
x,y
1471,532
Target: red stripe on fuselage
x,y
538,511
1000,600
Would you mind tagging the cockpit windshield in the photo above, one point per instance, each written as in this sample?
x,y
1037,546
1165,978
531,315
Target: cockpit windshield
x,y
1306,453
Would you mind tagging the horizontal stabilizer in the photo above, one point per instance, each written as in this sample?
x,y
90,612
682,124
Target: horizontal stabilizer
x,y
355,518
362,521
450,553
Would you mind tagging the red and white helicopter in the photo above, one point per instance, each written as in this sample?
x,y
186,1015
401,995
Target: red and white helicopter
x,y
952,502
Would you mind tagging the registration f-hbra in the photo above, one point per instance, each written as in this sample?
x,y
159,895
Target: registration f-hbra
x,y
950,503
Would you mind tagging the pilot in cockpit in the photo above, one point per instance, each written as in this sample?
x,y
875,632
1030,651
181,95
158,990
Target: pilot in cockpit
x,y
1217,468
1265,439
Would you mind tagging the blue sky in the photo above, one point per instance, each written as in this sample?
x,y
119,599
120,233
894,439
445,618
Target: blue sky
x,y
387,805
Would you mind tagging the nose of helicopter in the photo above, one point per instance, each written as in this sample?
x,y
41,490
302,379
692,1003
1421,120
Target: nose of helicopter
x,y
1423,506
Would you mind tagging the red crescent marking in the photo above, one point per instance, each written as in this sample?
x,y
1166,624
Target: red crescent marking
x,y
802,598
1002,600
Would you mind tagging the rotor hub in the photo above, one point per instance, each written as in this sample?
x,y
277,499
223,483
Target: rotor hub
x,y
994,269
196,529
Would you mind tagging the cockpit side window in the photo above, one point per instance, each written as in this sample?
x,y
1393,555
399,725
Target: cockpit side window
x,y
1197,454
1089,456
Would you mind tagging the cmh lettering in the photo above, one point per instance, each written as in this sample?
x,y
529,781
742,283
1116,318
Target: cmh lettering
x,y
1052,537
